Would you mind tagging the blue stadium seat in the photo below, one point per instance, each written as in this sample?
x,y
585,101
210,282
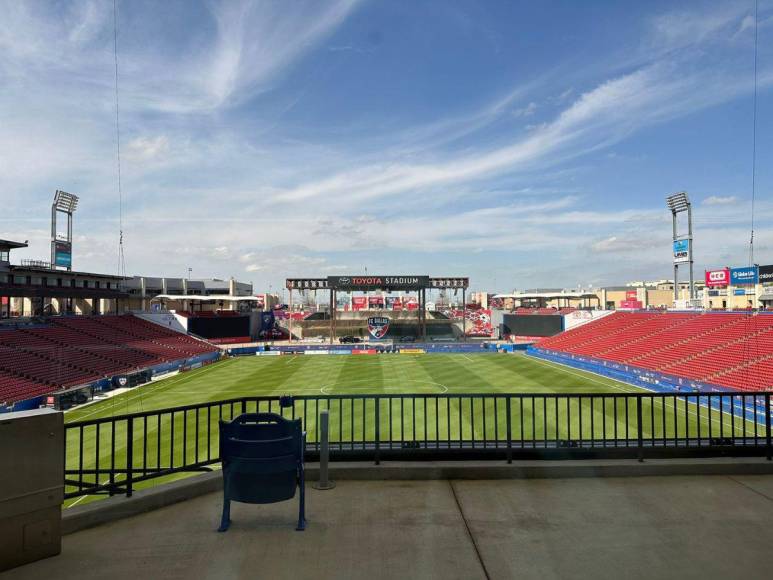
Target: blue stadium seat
x,y
262,455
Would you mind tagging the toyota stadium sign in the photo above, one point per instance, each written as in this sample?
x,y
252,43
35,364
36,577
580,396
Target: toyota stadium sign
x,y
378,282
715,278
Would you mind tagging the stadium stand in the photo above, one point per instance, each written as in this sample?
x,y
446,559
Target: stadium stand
x,y
77,350
733,350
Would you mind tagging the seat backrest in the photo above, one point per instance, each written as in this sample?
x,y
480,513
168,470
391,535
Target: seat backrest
x,y
268,430
261,454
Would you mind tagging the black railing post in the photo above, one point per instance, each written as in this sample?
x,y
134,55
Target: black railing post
x,y
639,428
244,406
377,402
509,432
112,457
767,427
129,456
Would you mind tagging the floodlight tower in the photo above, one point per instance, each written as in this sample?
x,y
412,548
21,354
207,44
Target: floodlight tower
x,y
682,244
61,243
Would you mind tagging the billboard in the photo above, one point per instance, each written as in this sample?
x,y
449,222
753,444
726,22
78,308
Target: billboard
x,y
765,274
534,325
631,295
375,302
580,317
681,251
741,276
369,282
359,302
631,304
716,278
63,254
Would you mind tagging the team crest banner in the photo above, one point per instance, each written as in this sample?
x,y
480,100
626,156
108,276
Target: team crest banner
x,y
378,326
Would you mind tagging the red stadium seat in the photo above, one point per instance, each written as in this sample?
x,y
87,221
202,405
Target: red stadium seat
x,y
727,349
79,350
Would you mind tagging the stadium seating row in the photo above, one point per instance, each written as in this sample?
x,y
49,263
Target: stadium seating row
x,y
727,349
77,350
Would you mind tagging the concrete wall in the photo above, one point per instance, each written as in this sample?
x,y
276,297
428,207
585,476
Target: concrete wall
x,y
169,320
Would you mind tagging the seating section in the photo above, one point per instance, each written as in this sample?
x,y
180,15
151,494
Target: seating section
x,y
76,350
734,350
16,388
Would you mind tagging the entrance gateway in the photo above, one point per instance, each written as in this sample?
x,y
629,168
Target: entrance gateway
x,y
369,282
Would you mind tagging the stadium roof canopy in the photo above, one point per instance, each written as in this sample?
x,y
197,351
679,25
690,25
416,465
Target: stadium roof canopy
x,y
547,295
10,245
206,298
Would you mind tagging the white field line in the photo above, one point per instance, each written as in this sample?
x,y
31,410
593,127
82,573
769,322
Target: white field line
x,y
565,369
144,390
81,498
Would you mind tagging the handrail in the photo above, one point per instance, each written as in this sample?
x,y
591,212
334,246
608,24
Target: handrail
x,y
113,454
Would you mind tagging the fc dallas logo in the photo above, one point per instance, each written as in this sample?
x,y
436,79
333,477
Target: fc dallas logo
x,y
378,326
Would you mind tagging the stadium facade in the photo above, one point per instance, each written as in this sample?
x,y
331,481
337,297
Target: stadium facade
x,y
36,288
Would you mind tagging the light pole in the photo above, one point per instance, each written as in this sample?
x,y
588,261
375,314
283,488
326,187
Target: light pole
x,y
682,244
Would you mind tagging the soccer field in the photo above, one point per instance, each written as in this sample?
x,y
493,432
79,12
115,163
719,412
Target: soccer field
x,y
467,418
345,375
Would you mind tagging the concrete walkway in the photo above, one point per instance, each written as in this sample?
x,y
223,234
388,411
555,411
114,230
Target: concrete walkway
x,y
634,527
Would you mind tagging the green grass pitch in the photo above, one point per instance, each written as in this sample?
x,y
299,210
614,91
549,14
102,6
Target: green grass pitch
x,y
391,375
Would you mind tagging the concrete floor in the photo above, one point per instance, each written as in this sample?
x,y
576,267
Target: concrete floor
x,y
634,527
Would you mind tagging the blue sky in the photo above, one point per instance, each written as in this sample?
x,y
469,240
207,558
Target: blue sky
x,y
521,143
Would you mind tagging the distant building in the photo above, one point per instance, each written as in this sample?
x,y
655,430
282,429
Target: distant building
x,y
203,294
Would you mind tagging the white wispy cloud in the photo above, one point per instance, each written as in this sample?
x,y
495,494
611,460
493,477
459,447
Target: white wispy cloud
x,y
720,200
598,118
201,189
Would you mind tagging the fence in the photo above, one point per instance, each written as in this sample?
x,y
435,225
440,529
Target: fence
x,y
114,454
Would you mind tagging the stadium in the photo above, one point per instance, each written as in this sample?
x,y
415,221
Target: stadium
x,y
420,370
436,425
379,368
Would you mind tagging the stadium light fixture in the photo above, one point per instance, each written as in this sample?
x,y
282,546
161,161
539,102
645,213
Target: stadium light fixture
x,y
682,244
66,202
678,202
61,243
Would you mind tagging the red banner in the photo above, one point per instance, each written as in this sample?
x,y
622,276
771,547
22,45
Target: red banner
x,y
359,302
631,295
394,303
716,278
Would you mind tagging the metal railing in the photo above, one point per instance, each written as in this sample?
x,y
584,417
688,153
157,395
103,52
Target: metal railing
x,y
114,454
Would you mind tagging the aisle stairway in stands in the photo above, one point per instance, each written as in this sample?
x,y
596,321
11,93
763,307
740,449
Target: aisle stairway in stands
x,y
78,350
726,349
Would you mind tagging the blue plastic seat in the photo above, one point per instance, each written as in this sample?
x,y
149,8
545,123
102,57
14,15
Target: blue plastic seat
x,y
262,456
